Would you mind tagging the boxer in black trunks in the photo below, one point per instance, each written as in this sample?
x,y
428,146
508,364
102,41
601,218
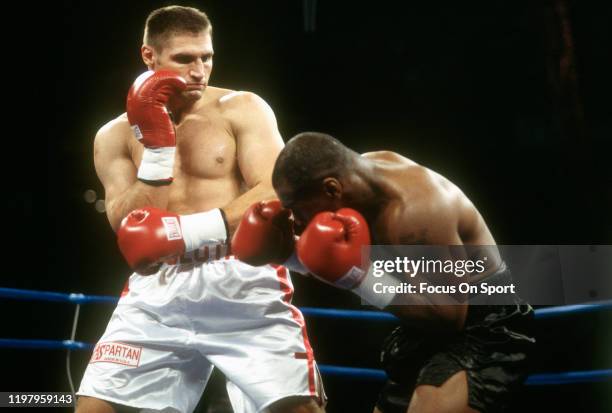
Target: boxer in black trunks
x,y
444,358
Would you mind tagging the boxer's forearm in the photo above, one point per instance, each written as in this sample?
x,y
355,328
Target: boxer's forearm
x,y
137,196
435,311
235,209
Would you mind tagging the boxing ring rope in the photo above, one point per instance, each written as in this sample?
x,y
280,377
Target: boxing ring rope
x,y
328,370
541,313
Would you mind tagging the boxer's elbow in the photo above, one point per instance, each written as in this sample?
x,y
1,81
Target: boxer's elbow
x,y
114,214
114,220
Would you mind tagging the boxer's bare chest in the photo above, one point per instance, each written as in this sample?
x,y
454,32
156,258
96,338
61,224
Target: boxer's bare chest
x,y
205,147
206,171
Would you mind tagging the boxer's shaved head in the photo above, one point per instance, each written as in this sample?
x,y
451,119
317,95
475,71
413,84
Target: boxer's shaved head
x,y
308,158
167,21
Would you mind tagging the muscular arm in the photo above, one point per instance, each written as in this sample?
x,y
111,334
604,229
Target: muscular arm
x,y
258,145
429,223
117,172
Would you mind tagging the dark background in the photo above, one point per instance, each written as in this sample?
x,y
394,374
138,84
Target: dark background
x,y
508,99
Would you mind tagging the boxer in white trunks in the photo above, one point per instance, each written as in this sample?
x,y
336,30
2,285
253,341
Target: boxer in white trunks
x,y
179,169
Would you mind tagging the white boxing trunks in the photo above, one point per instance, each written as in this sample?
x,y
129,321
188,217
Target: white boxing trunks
x,y
170,329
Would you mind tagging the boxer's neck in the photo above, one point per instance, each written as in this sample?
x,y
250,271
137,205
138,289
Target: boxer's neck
x,y
365,190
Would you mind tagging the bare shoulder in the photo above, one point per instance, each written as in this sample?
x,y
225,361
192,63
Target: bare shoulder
x,y
240,102
245,111
387,156
434,204
425,206
115,134
115,129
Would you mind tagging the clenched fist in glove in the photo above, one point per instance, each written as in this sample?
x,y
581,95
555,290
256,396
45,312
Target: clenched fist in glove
x,y
331,246
150,121
334,247
149,235
265,236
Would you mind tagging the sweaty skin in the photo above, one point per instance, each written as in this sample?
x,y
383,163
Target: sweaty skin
x,y
227,143
404,203
423,207
431,209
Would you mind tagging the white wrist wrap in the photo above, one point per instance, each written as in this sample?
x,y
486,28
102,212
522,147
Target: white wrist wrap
x,y
157,164
351,279
202,229
294,264
366,289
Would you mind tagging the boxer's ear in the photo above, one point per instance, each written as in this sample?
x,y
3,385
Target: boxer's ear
x,y
148,55
332,188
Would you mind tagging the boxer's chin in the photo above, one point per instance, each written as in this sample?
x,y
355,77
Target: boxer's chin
x,y
192,95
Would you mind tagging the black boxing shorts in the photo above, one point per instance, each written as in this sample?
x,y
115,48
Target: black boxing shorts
x,y
493,349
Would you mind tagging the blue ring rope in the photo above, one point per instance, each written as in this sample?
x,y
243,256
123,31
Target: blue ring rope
x,y
52,296
356,373
541,313
44,344
568,377
328,370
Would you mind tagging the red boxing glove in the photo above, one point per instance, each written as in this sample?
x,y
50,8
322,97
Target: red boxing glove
x,y
151,122
331,247
264,235
148,235
146,107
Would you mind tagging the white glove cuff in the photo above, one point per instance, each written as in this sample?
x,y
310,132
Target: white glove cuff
x,y
203,228
368,292
157,164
